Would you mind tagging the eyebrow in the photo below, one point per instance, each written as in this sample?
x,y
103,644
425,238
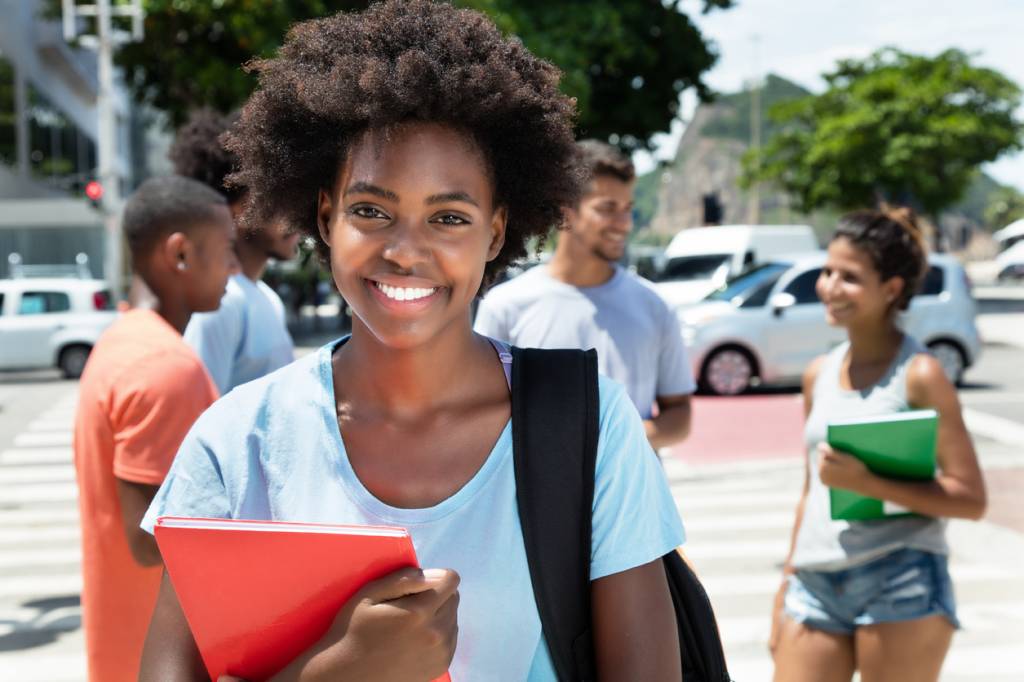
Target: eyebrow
x,y
367,188
452,196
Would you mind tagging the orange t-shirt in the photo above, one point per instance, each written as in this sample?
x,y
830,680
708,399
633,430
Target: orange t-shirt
x,y
141,390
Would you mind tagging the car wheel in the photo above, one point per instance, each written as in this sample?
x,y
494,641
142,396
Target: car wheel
x,y
728,371
72,361
951,358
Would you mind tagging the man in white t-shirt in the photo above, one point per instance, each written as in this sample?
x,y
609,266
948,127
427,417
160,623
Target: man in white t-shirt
x,y
247,336
581,298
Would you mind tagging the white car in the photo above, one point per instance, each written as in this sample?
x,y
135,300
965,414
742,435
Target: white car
x,y
52,322
764,327
1010,263
701,259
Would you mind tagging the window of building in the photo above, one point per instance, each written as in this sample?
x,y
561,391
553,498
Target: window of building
x,y
41,302
8,114
803,287
59,152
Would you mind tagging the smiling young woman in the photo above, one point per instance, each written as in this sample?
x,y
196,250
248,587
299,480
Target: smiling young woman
x,y
873,596
421,149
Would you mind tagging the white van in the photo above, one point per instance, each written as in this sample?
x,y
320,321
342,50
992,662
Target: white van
x,y
701,259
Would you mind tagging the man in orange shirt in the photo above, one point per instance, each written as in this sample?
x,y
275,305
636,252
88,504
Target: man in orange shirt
x,y
141,390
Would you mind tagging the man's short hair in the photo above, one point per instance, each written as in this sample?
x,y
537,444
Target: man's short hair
x,y
600,158
164,205
197,151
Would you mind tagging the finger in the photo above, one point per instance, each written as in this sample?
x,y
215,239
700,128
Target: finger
x,y
398,584
229,678
426,603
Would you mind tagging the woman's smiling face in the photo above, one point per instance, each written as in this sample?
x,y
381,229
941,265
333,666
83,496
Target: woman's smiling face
x,y
411,224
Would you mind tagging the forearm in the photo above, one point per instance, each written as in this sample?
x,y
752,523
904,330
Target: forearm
x,y
944,496
671,426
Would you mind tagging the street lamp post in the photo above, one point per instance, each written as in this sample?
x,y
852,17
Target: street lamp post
x,y
104,40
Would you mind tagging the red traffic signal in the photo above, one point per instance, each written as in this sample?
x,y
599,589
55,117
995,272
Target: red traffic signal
x,y
94,190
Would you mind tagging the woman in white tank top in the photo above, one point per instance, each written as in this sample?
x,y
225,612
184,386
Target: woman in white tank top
x,y
873,596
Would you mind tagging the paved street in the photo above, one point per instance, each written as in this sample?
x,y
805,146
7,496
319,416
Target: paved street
x,y
738,512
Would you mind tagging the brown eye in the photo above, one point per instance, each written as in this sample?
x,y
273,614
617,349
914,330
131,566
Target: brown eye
x,y
368,212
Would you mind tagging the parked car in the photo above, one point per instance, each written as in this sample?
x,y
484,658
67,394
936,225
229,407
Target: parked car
x,y
1010,263
764,327
52,322
701,259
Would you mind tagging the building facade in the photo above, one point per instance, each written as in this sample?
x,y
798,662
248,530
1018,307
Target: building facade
x,y
48,143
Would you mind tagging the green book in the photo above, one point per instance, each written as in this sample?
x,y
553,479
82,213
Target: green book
x,y
899,445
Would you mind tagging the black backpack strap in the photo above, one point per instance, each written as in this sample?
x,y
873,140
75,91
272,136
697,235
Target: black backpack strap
x,y
555,407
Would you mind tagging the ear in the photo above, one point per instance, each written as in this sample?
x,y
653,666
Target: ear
x,y
498,224
570,215
179,252
893,289
324,212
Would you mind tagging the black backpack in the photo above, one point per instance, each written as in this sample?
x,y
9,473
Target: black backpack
x,y
555,408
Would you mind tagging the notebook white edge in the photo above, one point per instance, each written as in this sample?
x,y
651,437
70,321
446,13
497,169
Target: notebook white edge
x,y
909,415
257,526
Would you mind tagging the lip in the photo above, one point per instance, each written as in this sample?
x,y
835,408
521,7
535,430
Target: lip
x,y
391,304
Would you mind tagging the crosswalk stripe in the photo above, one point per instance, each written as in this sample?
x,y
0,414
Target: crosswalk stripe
x,y
40,558
17,456
36,474
67,513
25,535
37,493
44,438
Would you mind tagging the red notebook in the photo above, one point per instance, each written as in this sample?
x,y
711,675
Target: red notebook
x,y
257,594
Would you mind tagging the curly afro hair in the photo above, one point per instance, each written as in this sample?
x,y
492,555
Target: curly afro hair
x,y
894,242
397,61
198,152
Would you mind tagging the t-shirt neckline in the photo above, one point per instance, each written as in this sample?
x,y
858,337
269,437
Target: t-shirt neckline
x,y
499,454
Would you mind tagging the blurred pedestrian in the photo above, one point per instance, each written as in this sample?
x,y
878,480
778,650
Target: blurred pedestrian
x,y
873,596
582,298
139,394
422,150
247,336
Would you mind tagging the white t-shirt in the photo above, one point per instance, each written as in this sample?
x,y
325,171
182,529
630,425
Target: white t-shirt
x,y
243,339
636,335
272,450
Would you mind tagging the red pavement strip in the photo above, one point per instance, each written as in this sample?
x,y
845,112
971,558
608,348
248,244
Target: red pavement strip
x,y
747,427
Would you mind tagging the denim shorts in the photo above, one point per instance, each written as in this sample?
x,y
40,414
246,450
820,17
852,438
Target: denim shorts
x,y
905,585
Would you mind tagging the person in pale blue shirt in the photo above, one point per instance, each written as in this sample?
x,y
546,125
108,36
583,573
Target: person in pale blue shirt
x,y
583,299
422,149
247,337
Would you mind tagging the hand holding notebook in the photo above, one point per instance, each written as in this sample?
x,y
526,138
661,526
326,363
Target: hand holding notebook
x,y
899,445
260,596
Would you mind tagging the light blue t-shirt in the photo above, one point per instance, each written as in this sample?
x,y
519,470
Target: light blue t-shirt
x,y
271,449
636,335
245,338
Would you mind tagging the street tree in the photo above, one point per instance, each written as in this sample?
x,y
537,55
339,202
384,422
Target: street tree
x,y
1005,205
894,127
626,61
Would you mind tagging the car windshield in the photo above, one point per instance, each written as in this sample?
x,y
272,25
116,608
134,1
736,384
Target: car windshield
x,y
742,288
687,268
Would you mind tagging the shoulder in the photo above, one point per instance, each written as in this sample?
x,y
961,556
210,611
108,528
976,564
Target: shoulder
x,y
812,372
526,286
925,378
645,291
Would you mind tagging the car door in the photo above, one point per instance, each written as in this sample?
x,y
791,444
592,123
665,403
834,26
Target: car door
x,y
930,311
32,321
798,333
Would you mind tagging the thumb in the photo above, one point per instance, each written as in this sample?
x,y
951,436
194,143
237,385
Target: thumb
x,y
408,581
229,678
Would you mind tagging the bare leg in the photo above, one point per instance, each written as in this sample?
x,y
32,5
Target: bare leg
x,y
808,655
907,651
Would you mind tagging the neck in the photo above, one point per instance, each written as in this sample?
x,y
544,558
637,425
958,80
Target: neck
x,y
405,384
875,345
579,267
252,260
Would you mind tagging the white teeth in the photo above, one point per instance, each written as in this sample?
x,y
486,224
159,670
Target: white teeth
x,y
404,294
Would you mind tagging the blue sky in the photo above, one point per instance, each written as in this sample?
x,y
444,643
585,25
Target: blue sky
x,y
800,39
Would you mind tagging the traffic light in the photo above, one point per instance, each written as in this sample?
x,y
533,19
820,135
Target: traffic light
x,y
94,192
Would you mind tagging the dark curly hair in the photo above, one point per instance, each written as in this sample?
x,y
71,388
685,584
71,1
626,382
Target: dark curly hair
x,y
894,242
198,152
397,61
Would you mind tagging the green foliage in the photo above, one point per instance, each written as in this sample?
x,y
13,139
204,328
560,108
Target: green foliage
x,y
1005,206
893,127
645,198
626,61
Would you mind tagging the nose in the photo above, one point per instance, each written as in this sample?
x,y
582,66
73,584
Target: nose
x,y
407,245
